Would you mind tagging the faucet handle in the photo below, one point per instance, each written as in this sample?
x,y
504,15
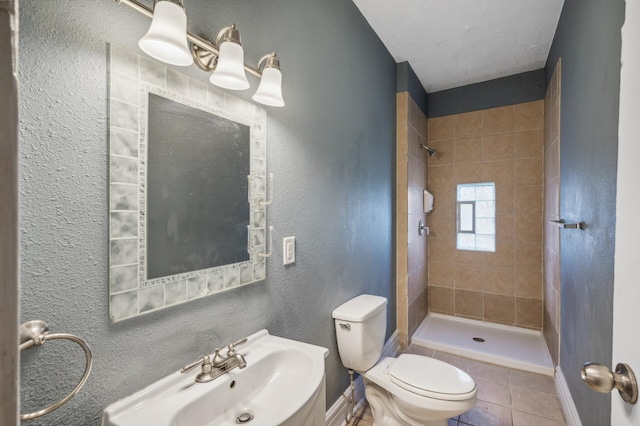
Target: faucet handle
x,y
231,349
202,361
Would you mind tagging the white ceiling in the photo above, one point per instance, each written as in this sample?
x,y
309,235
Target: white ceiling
x,y
451,43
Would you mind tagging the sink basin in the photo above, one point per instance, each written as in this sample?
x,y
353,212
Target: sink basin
x,y
282,384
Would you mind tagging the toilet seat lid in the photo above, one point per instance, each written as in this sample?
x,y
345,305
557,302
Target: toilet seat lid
x,y
430,377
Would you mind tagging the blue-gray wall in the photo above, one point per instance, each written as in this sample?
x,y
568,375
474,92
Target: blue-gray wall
x,y
509,90
588,41
331,150
408,82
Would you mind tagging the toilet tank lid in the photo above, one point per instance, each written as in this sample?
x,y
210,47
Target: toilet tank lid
x,y
360,308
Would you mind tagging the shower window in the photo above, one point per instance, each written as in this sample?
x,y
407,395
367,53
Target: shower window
x,y
476,229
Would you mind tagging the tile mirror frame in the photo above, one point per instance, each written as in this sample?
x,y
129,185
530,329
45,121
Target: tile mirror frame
x,y
131,79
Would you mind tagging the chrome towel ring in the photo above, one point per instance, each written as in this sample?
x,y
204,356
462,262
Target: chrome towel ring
x,y
35,333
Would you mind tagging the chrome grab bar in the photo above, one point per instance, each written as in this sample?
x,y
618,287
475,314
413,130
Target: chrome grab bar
x,y
561,223
35,333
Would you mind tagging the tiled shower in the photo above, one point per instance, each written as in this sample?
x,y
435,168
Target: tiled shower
x,y
503,145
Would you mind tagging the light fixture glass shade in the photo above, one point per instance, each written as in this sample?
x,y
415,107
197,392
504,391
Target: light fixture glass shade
x,y
229,72
270,90
166,39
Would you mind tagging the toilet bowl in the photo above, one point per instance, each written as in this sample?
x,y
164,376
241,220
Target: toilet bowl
x,y
409,390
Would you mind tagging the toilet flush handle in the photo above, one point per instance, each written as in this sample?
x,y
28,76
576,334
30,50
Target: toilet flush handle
x,y
345,326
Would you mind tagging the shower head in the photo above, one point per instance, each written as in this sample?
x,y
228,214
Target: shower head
x,y
431,151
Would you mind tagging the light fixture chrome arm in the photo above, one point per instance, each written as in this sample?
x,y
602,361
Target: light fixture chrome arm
x,y
196,40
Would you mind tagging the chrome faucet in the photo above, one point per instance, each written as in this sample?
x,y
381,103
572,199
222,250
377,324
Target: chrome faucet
x,y
213,368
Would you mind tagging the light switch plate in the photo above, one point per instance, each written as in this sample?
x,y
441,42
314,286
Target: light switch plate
x,y
288,250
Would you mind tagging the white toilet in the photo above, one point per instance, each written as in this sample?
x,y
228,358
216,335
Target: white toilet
x,y
409,390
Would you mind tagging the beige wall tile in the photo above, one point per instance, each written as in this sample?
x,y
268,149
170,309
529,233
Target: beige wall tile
x,y
402,201
415,172
498,147
505,228
414,113
440,128
529,283
552,304
529,171
499,281
416,200
441,300
529,228
402,252
445,154
551,337
402,107
483,146
402,138
442,225
469,303
503,257
528,255
551,161
469,277
528,115
497,120
529,200
402,292
468,124
529,313
444,200
441,177
441,274
441,250
413,142
402,169
552,198
414,285
529,144
468,150
469,257
416,255
505,199
468,173
500,172
499,308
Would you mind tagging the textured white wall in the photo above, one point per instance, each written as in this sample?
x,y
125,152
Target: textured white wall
x,y
331,150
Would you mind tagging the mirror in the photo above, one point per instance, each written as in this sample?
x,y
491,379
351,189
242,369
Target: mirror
x,y
187,174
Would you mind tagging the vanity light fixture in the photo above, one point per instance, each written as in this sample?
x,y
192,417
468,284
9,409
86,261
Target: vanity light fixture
x,y
229,70
270,90
168,41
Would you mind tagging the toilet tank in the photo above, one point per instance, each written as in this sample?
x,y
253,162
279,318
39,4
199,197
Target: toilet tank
x,y
361,324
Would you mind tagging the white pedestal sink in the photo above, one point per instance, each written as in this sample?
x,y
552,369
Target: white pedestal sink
x,y
282,384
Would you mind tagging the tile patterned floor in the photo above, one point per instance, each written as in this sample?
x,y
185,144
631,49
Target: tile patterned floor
x,y
506,397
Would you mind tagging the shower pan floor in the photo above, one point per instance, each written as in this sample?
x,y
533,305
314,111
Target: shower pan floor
x,y
505,345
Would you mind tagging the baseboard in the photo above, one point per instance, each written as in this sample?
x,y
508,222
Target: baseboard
x,y
566,400
335,413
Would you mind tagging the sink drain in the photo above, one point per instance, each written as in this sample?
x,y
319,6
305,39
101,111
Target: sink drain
x,y
478,339
244,417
